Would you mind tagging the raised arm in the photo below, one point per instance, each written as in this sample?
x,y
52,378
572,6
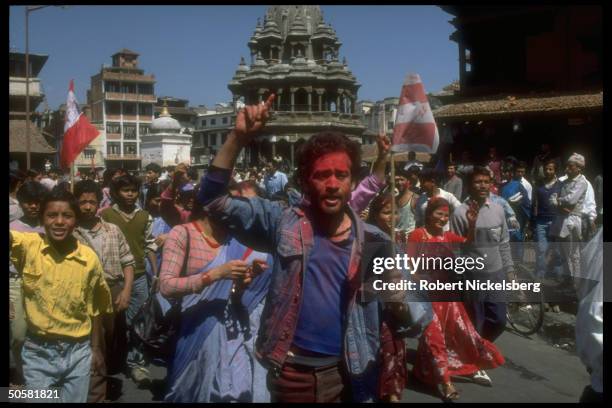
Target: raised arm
x,y
372,184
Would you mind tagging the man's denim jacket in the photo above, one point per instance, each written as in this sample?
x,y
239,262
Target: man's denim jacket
x,y
287,233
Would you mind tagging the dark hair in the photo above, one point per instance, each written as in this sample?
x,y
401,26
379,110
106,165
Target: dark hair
x,y
54,170
478,171
58,194
170,168
123,181
551,161
323,143
153,167
377,204
429,174
107,177
521,165
87,186
411,155
31,192
451,163
400,172
413,171
433,204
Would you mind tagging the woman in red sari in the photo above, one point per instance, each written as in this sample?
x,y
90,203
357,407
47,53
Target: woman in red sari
x,y
450,346
392,380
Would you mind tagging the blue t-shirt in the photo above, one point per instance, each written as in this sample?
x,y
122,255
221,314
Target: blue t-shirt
x,y
546,212
319,327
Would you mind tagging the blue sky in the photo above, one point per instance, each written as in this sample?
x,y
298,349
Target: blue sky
x,y
194,50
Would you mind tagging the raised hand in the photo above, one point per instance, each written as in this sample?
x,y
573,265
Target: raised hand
x,y
252,119
384,145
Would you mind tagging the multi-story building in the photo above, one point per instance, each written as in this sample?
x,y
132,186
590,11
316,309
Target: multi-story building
x,y
211,129
122,99
179,109
295,55
40,150
373,115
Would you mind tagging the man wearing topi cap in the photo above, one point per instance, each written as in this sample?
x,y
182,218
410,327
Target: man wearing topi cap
x,y
569,202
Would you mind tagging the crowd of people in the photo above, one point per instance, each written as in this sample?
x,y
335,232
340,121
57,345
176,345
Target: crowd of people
x,y
265,267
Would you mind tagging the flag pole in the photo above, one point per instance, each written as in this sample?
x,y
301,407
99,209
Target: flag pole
x,y
393,201
72,178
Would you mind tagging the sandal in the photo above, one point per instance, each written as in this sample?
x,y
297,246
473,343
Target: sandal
x,y
449,392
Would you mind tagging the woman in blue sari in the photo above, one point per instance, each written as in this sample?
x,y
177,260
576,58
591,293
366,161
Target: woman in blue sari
x,y
221,286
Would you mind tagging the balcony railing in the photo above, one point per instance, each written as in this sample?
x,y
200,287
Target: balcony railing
x,y
122,157
132,97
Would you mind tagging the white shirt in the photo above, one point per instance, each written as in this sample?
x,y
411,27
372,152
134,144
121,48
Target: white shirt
x,y
527,186
589,207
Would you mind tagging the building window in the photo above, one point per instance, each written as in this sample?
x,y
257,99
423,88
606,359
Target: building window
x,y
145,109
145,89
129,109
212,139
129,132
128,88
224,121
113,148
89,153
130,149
113,128
144,129
112,87
113,108
203,123
213,122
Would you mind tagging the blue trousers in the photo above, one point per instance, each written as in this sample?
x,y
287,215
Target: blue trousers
x,y
140,293
48,363
487,316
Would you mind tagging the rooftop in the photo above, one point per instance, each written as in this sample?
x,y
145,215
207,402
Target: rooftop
x,y
510,105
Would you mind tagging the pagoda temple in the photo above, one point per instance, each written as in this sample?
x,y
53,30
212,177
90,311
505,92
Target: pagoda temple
x,y
296,55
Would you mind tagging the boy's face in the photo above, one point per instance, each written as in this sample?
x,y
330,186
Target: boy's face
x,y
329,183
59,220
128,195
152,176
519,173
88,205
402,183
549,171
450,171
30,209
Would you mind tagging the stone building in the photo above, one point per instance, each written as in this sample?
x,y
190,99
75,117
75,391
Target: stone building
x,y
296,55
121,99
165,144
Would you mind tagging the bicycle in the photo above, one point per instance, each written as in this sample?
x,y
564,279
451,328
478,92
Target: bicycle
x,y
527,317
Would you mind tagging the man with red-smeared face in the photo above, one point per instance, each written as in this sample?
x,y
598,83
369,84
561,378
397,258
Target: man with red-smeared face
x,y
314,325
329,184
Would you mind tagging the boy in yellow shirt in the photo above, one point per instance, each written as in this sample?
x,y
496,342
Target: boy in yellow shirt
x,y
63,289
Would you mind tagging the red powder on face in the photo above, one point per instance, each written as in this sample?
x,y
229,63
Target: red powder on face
x,y
330,182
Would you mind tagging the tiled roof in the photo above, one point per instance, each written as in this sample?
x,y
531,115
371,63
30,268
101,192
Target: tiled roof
x,y
17,138
513,105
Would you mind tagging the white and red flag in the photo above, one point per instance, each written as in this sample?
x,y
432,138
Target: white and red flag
x,y
415,128
78,132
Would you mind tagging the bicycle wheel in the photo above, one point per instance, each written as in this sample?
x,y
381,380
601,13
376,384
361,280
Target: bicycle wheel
x,y
527,317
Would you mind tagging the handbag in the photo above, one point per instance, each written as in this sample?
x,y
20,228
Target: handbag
x,y
155,326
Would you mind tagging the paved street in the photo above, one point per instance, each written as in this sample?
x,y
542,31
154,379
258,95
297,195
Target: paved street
x,y
534,372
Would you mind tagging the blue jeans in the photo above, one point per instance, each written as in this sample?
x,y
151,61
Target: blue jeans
x,y
544,262
140,293
48,363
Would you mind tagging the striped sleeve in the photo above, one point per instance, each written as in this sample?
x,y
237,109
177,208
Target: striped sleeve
x,y
173,258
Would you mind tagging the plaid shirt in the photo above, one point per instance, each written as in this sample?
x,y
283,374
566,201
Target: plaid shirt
x,y
173,259
110,245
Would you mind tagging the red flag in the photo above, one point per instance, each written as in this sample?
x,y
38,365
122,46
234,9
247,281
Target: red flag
x,y
78,132
415,128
